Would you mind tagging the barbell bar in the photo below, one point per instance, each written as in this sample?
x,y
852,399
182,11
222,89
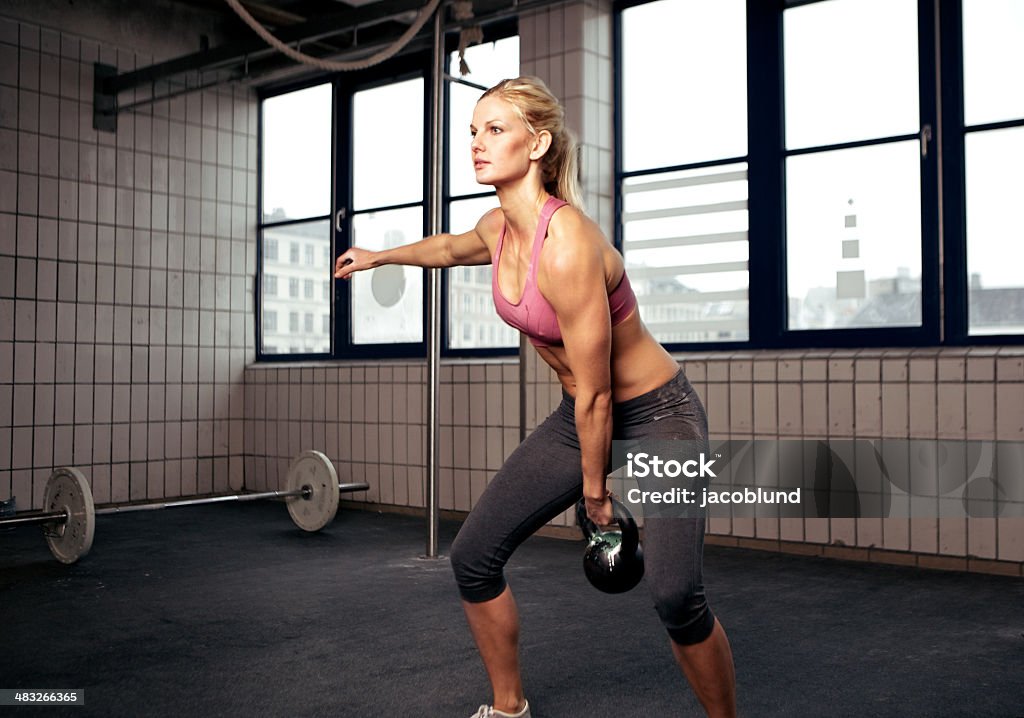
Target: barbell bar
x,y
28,518
69,515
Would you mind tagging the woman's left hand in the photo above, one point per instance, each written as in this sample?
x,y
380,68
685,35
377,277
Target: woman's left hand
x,y
600,510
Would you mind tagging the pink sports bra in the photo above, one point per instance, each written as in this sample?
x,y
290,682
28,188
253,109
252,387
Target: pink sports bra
x,y
532,314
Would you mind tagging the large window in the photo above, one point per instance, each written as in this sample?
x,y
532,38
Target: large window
x,y
853,164
344,163
387,205
779,179
683,174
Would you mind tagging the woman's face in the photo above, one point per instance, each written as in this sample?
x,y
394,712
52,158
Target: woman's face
x,y
501,146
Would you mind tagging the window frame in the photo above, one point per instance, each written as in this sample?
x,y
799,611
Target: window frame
x,y
944,297
395,71
343,88
954,181
262,224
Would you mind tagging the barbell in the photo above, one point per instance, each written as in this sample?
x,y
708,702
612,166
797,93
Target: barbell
x,y
68,516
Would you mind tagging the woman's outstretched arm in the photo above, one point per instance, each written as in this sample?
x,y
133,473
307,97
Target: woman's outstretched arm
x,y
439,250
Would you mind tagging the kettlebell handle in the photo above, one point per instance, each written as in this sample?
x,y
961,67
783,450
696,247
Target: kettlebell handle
x,y
620,514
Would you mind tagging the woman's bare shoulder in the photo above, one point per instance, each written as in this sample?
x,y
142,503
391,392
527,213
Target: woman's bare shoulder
x,y
571,229
574,243
490,224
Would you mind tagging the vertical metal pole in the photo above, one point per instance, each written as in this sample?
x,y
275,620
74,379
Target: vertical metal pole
x,y
434,289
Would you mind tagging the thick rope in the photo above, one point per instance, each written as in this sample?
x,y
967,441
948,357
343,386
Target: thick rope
x,y
462,11
333,65
468,36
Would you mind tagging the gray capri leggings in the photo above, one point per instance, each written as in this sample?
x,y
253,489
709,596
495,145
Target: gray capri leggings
x,y
542,478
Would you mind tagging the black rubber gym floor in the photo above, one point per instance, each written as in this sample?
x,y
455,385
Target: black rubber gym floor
x,y
230,610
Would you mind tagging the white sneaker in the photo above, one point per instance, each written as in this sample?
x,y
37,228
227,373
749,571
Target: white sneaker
x,y
486,711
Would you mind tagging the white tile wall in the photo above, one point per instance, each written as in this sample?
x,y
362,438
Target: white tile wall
x,y
92,339
377,431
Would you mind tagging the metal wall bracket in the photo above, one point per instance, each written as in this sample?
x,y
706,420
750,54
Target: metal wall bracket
x,y
104,103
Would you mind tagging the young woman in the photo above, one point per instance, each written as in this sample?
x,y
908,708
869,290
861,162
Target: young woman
x,y
557,279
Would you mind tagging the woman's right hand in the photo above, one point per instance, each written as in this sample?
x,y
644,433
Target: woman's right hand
x,y
354,260
599,509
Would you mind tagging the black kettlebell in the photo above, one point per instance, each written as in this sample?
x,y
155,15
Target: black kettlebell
x,y
613,560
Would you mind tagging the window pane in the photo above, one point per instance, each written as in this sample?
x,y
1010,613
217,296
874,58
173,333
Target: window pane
x,y
387,302
995,241
297,154
490,64
684,82
461,178
470,307
387,152
298,337
685,245
993,60
850,71
853,237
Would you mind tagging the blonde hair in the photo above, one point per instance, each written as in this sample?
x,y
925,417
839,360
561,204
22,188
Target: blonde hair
x,y
540,110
